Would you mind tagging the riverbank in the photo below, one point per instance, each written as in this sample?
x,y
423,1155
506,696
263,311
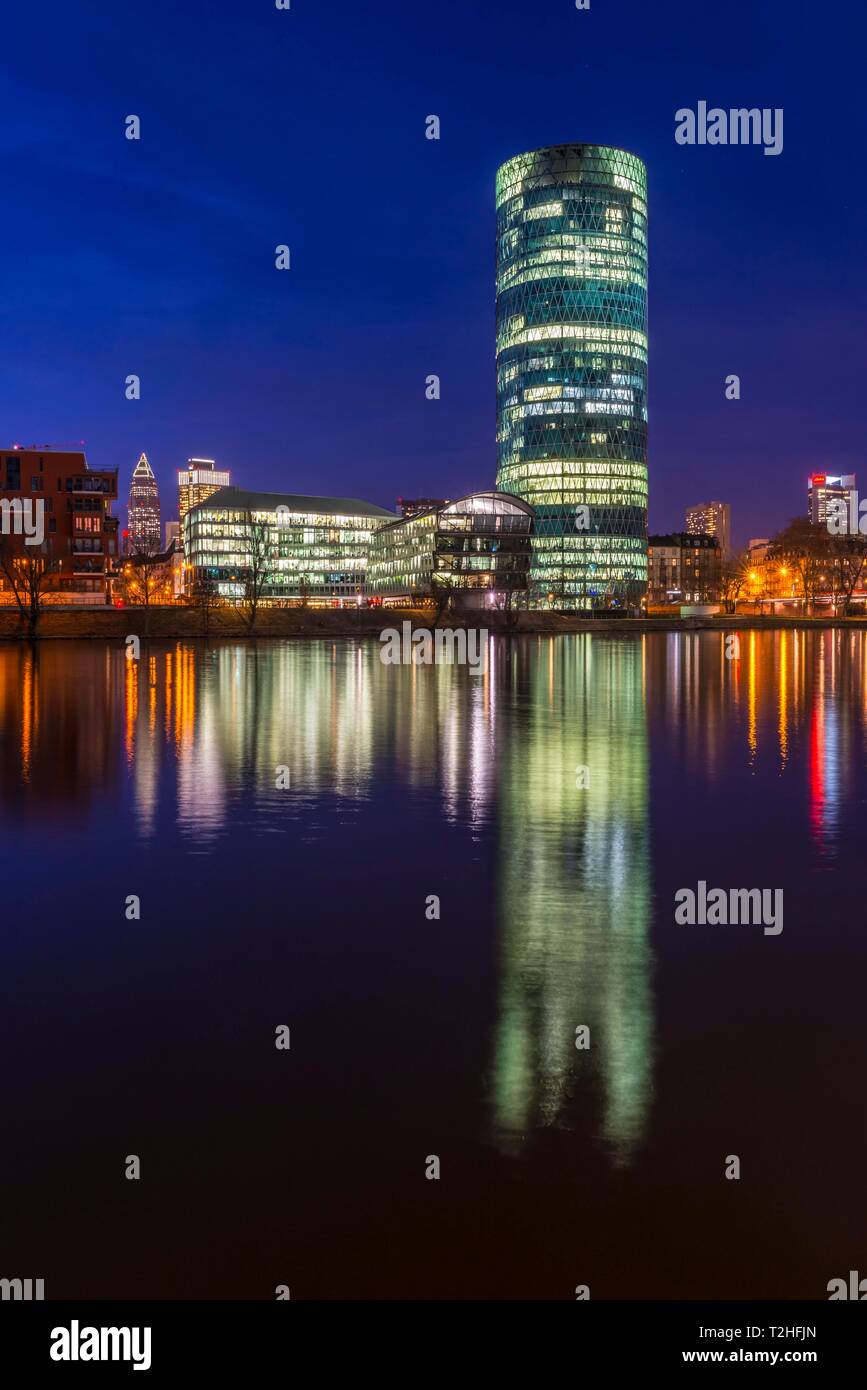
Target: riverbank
x,y
188,623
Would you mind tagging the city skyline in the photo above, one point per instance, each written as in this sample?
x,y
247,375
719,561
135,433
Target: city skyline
x,y
433,672
161,262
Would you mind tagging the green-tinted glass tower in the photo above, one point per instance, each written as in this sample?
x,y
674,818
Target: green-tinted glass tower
x,y
572,368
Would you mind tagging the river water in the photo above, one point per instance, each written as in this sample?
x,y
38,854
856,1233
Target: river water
x,y
438,882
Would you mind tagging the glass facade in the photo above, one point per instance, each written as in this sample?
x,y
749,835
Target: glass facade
x,y
313,548
196,483
572,368
477,548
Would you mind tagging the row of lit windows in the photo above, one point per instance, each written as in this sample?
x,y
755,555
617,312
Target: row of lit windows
x,y
552,183
569,203
586,466
589,492
517,239
513,424
226,540
205,556
595,165
602,472
566,365
273,534
591,407
537,473
277,520
580,393
569,248
515,333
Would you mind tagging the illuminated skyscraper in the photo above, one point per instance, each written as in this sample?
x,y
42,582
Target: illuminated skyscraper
x,y
143,512
711,519
572,367
196,483
823,488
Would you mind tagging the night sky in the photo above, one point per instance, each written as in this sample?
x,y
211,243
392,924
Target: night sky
x,y
306,127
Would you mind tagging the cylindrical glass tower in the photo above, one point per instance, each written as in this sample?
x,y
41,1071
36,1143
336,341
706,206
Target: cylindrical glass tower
x,y
572,368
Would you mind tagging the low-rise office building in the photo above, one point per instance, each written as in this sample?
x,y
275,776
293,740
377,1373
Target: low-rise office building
x,y
293,548
476,550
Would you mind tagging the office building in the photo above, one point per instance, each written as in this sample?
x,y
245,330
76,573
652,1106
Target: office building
x,y
305,549
70,503
411,506
475,552
143,511
711,519
572,368
196,483
821,487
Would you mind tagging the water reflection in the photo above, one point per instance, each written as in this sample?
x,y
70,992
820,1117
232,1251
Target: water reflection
x,y
186,742
574,891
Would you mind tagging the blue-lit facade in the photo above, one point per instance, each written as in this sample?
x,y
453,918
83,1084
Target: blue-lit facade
x,y
572,368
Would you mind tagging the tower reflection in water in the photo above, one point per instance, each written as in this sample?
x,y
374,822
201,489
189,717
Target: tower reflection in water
x,y
186,742
574,895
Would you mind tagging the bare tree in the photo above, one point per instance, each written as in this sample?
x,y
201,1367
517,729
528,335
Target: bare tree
x,y
145,582
511,599
442,596
28,570
733,576
205,597
808,550
257,563
850,559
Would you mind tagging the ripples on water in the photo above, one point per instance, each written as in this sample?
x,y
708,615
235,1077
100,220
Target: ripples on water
x,y
457,1036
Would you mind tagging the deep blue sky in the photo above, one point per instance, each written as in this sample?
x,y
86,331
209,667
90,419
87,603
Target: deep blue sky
x,y
307,127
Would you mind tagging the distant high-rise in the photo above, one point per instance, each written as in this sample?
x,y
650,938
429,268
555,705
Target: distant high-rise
x,y
711,519
572,368
821,488
143,512
413,506
196,483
